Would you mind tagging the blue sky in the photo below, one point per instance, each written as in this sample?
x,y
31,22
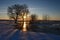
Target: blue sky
x,y
38,7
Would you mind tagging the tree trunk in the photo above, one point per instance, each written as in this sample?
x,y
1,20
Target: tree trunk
x,y
16,23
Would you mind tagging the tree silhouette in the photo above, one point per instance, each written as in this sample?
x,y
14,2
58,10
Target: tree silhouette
x,y
33,23
33,17
17,10
25,11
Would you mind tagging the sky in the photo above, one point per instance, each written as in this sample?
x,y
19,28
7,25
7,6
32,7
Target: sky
x,y
38,7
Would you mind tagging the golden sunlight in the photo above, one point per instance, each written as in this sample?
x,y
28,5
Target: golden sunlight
x,y
24,16
24,25
26,20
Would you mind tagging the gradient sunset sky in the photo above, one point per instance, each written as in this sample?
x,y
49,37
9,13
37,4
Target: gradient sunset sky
x,y
38,7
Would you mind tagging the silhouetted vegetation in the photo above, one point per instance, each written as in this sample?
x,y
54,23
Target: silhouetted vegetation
x,y
17,10
33,23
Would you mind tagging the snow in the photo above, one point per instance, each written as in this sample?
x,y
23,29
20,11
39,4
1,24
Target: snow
x,y
8,33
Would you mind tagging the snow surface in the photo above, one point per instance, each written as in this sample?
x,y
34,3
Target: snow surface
x,y
8,33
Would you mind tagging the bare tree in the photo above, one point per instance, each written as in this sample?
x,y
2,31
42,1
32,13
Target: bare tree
x,y
16,10
33,17
33,22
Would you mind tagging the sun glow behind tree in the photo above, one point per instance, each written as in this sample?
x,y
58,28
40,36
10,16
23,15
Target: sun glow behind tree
x,y
24,25
26,21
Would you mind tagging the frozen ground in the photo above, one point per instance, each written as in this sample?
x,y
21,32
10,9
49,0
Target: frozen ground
x,y
8,33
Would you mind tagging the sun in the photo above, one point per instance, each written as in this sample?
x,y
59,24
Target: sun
x,y
24,16
26,22
24,25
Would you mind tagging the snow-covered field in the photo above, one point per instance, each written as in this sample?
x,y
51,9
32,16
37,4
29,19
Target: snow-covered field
x,y
8,33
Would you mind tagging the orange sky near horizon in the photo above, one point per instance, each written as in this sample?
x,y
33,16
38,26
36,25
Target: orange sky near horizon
x,y
38,18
